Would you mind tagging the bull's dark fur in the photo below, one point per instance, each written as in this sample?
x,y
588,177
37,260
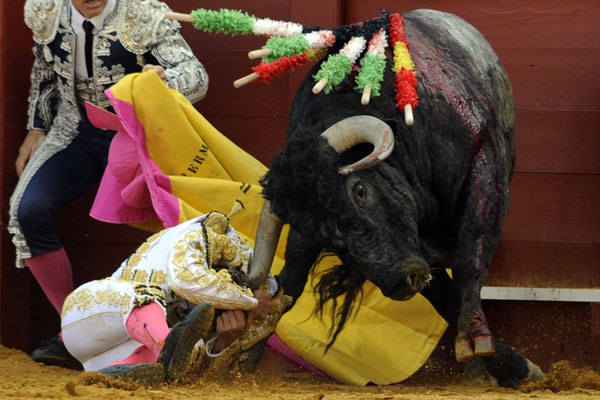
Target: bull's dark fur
x,y
437,201
336,282
322,201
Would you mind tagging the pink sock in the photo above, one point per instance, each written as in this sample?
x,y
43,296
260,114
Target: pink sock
x,y
141,355
53,273
148,325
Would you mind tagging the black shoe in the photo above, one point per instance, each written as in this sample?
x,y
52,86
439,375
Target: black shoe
x,y
179,353
147,374
52,352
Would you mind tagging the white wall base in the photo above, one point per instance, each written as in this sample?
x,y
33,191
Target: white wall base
x,y
540,294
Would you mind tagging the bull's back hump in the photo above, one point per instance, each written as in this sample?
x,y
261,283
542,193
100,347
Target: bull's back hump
x,y
453,59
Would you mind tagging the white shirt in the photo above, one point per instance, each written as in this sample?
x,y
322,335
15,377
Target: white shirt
x,y
76,23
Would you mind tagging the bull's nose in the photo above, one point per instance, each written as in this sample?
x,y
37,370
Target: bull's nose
x,y
417,280
405,280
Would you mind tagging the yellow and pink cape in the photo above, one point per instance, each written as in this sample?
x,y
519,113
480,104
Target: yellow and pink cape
x,y
168,164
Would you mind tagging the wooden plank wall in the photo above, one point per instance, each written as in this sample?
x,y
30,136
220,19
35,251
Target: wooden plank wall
x,y
14,79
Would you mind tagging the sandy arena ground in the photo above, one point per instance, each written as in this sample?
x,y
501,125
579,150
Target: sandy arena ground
x,y
21,378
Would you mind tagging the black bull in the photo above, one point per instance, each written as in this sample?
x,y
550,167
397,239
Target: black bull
x,y
437,201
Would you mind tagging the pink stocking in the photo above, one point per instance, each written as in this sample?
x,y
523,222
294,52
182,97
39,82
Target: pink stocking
x,y
140,355
53,273
147,325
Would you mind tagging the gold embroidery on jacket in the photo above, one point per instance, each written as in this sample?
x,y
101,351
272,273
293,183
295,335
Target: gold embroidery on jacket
x,y
127,274
140,276
158,277
141,251
189,261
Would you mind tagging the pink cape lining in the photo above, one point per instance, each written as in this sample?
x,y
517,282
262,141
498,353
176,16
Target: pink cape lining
x,y
109,205
277,345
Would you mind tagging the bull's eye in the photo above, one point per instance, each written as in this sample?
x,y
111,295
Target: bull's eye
x,y
360,194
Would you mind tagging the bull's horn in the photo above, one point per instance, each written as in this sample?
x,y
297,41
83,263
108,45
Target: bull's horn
x,y
361,129
267,237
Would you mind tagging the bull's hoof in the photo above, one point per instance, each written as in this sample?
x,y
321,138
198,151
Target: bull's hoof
x,y
509,368
535,373
484,345
463,350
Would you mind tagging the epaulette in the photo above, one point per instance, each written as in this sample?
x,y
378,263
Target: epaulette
x,y
138,22
43,17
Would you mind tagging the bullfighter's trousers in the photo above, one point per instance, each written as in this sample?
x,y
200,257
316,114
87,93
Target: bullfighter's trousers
x,y
63,178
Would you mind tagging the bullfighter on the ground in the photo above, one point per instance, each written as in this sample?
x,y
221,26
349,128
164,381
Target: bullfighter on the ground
x,y
118,325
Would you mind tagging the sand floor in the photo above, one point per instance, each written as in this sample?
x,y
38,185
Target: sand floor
x,y
21,378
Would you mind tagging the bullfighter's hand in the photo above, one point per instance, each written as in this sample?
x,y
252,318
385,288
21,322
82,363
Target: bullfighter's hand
x,y
230,325
32,142
159,70
264,303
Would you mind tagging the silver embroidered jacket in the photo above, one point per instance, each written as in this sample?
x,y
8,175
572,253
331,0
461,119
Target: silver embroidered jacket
x,y
134,34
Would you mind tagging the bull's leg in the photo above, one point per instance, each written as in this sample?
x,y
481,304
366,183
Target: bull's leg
x,y
474,337
506,366
485,205
300,255
443,295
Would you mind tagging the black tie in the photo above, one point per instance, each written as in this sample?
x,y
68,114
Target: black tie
x,y
88,27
